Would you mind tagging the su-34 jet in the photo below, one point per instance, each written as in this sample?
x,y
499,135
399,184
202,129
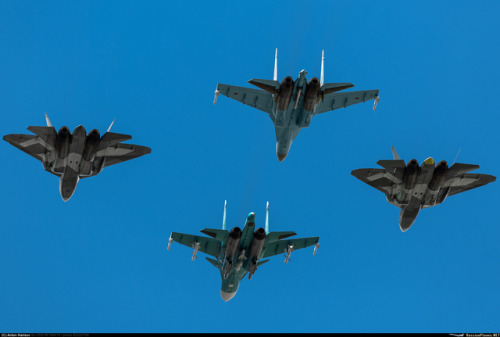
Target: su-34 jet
x,y
291,105
239,252
412,187
72,156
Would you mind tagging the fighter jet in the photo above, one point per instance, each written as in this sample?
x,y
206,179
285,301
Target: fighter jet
x,y
412,187
291,105
72,156
239,252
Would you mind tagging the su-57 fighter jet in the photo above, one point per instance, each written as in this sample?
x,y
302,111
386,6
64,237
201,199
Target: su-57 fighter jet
x,y
291,105
239,252
72,156
412,187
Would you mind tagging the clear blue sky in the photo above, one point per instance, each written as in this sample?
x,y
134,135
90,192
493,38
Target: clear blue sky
x,y
99,263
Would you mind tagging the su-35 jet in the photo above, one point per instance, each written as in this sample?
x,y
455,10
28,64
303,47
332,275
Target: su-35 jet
x,y
239,252
291,105
72,156
412,187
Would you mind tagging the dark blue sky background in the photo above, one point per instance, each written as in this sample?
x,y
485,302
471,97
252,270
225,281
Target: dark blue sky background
x,y
99,263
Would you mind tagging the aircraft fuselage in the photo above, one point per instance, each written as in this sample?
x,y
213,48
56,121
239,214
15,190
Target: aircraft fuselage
x,y
421,188
293,109
72,157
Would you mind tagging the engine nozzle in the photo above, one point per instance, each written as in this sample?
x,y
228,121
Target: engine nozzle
x,y
285,93
312,94
235,233
259,234
410,174
90,150
439,175
62,142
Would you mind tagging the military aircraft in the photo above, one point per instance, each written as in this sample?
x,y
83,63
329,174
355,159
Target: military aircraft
x,y
239,252
412,187
291,105
72,156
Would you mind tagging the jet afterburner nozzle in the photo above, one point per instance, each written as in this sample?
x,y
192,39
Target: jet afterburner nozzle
x,y
91,143
62,142
438,176
312,94
285,93
410,174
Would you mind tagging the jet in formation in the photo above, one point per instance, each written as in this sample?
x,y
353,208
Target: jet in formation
x,y
291,105
72,156
412,187
239,252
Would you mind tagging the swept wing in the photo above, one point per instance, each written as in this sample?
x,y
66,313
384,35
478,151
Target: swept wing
x,y
206,245
281,246
380,179
114,152
467,181
255,98
36,146
342,100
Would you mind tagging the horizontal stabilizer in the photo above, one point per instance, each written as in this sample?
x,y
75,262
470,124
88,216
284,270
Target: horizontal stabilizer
x,y
111,138
43,132
273,236
260,263
457,169
267,85
391,164
219,234
328,88
213,262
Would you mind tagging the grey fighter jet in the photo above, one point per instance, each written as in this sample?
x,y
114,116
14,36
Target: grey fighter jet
x,y
412,187
72,156
291,105
239,252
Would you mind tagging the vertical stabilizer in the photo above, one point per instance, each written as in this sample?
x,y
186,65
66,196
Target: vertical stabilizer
x,y
267,218
49,124
113,122
275,77
456,157
224,216
322,77
395,154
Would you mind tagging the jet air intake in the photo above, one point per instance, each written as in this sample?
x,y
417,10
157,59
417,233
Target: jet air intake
x,y
312,94
410,175
232,243
285,93
91,144
438,176
62,142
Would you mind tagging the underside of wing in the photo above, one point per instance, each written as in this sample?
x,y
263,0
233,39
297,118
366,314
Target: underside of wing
x,y
343,100
467,181
30,144
255,98
378,178
119,153
280,246
206,245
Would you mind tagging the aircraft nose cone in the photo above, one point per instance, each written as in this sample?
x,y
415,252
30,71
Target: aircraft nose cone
x,y
226,296
281,156
66,195
406,223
